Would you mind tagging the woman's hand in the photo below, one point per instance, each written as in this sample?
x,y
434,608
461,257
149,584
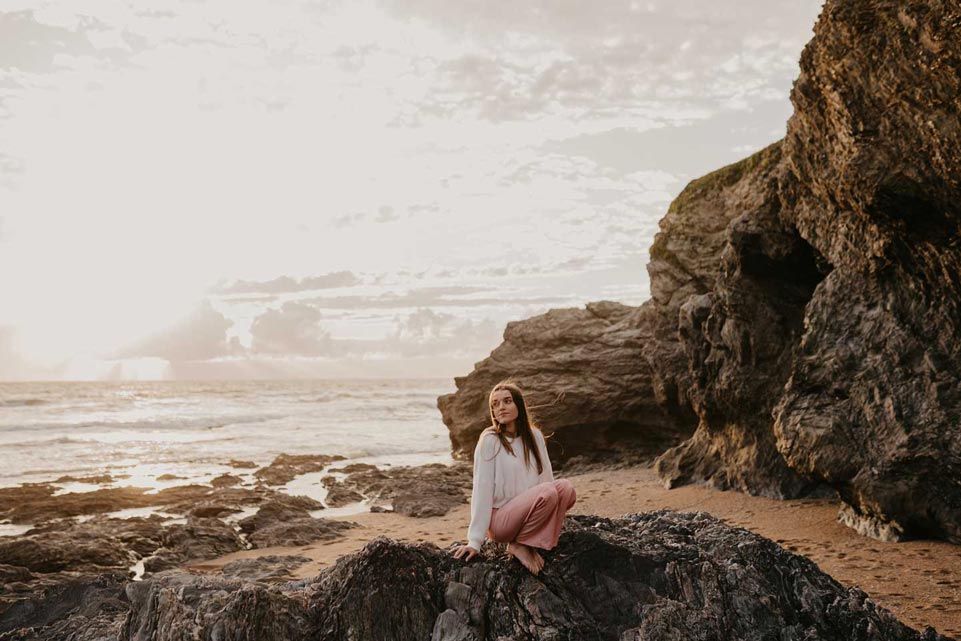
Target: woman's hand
x,y
462,550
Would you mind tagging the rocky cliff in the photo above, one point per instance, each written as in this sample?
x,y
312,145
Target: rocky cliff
x,y
873,181
804,330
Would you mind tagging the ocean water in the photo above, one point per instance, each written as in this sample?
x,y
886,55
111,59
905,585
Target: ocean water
x,y
193,429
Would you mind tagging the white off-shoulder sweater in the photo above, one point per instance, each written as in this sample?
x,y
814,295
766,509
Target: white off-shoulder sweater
x,y
499,477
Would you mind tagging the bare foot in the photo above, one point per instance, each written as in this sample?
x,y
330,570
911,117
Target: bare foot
x,y
540,560
528,558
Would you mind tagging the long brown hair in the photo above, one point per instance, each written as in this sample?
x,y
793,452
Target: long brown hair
x,y
524,423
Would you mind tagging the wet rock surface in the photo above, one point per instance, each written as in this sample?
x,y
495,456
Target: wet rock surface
x,y
421,491
226,480
286,521
67,543
655,575
286,467
94,545
354,467
198,538
35,503
99,479
338,494
243,465
280,508
32,504
39,502
221,501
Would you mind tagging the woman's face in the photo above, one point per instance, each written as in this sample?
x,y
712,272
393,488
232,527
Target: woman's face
x,y
503,407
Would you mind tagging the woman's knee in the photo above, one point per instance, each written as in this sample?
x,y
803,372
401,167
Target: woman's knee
x,y
547,495
566,492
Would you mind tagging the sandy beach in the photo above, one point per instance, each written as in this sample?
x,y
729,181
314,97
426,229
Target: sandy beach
x,y
920,581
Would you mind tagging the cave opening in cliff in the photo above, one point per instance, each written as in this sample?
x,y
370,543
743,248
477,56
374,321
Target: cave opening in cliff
x,y
790,274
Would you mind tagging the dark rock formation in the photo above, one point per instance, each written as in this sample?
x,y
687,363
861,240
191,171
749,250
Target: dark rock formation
x,y
280,508
421,491
301,531
657,575
198,538
221,501
244,465
664,575
585,380
338,494
226,480
65,550
66,555
94,545
60,559
805,302
839,306
354,467
65,547
184,606
286,467
34,503
873,405
99,479
739,329
286,521
75,607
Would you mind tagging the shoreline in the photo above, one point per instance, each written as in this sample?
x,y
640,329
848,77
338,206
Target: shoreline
x,y
919,581
307,484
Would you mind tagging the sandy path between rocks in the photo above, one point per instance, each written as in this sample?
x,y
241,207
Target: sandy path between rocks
x,y
920,581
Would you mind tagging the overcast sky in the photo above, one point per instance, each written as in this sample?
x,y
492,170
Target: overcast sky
x,y
223,189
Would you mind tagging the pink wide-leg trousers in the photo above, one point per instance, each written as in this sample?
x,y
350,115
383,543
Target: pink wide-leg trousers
x,y
534,517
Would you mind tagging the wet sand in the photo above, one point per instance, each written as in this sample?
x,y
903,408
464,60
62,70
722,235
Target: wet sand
x,y
919,581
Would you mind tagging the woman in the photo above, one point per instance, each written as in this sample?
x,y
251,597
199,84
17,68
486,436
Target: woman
x,y
515,499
